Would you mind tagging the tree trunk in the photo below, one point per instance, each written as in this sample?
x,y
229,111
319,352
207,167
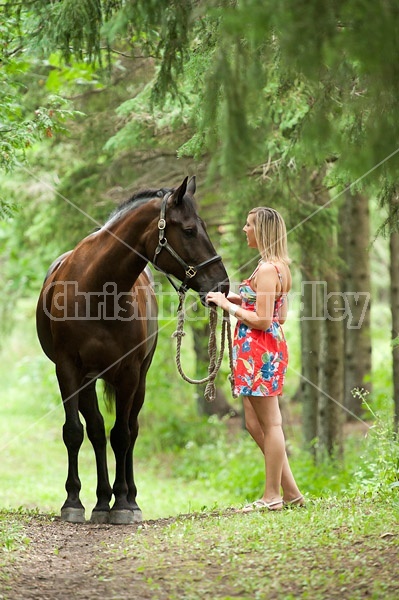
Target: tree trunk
x,y
356,224
310,346
394,272
332,369
322,337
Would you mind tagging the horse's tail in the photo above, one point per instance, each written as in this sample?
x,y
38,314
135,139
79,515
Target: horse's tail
x,y
109,395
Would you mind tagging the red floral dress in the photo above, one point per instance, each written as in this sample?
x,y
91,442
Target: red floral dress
x,y
260,358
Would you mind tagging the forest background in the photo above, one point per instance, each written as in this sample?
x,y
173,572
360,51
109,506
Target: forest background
x,y
291,106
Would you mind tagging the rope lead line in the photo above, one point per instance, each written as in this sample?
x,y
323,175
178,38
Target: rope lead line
x,y
214,362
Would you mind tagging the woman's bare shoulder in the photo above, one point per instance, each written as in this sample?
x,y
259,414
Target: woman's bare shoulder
x,y
273,270
267,268
266,276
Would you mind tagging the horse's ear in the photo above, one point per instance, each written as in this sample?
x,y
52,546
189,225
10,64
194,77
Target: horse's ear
x,y
178,194
191,187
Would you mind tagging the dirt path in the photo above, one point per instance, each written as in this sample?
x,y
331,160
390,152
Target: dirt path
x,y
64,561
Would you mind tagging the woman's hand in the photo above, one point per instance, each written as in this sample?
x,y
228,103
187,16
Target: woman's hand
x,y
219,299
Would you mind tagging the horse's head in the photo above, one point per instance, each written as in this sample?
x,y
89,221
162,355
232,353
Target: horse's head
x,y
184,248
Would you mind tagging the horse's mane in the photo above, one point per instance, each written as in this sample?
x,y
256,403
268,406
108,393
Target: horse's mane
x,y
143,195
136,200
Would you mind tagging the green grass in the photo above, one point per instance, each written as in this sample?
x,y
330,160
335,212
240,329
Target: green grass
x,y
12,530
334,549
12,537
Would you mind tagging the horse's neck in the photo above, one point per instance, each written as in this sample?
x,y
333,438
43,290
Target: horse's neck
x,y
117,251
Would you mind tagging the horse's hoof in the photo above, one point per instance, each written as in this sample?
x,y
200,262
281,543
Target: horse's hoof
x,y
138,516
122,517
99,517
73,515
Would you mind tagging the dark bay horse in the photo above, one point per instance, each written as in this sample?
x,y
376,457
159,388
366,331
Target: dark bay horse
x,y
96,319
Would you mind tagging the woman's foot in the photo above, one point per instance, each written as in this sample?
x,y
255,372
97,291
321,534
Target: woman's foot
x,y
262,505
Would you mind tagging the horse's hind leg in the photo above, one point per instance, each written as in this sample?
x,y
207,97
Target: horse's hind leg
x,y
88,406
72,509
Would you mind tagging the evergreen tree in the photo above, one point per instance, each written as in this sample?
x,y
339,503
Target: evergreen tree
x,y
265,95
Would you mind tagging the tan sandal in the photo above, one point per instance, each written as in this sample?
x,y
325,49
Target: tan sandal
x,y
295,503
262,505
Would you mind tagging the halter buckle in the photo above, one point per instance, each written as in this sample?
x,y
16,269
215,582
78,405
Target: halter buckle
x,y
161,224
191,272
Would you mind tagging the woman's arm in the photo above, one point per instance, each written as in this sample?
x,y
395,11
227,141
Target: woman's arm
x,y
266,286
234,298
283,311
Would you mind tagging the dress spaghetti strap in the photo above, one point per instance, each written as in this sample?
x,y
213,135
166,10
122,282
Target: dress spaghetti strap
x,y
280,277
254,272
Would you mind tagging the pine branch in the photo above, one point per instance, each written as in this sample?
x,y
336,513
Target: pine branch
x,y
134,57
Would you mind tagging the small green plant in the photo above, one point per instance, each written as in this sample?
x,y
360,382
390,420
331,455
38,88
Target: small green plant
x,y
378,472
11,529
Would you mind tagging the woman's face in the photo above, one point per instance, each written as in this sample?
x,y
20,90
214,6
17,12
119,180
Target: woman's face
x,y
249,229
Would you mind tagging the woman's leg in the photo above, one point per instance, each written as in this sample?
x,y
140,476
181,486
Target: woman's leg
x,y
252,424
288,483
268,413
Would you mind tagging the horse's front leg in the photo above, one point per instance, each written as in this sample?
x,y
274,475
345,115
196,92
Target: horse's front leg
x,y
68,380
134,430
88,406
121,512
132,489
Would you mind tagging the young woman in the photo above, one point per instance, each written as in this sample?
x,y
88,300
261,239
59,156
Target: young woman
x,y
260,354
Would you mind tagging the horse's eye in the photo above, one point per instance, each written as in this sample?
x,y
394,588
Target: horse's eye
x,y
189,232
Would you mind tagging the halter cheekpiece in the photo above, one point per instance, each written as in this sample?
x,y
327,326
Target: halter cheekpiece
x,y
190,271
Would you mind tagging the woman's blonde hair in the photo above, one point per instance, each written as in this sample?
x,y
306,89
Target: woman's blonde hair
x,y
270,234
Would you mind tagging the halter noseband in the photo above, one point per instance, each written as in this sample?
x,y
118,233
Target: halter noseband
x,y
163,243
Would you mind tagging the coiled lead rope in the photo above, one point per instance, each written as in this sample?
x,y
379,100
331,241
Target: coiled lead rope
x,y
214,363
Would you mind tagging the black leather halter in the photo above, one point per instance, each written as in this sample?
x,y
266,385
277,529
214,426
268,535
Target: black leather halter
x,y
163,243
